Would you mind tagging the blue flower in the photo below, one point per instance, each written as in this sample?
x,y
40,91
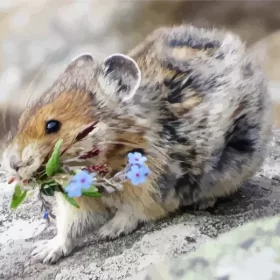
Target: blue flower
x,y
46,215
138,174
74,190
136,158
80,181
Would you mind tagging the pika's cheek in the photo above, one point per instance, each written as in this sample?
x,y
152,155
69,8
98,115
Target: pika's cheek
x,y
27,172
31,161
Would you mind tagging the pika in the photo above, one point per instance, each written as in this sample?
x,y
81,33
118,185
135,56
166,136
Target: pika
x,y
192,100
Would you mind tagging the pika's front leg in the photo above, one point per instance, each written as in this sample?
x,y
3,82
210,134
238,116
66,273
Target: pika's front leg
x,y
134,205
49,251
71,222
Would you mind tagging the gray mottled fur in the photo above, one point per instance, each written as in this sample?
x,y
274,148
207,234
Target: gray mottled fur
x,y
221,142
198,102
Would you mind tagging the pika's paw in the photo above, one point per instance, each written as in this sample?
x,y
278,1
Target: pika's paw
x,y
205,204
121,224
50,251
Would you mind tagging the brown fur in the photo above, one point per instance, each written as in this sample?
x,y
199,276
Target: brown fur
x,y
31,125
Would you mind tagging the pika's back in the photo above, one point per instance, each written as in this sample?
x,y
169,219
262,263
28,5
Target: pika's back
x,y
183,48
199,72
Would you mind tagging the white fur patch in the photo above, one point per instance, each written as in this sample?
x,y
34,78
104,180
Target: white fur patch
x,y
176,169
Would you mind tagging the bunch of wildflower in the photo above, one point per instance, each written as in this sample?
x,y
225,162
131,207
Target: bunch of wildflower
x,y
136,172
88,181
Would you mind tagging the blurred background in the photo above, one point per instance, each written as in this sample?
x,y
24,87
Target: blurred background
x,y
40,37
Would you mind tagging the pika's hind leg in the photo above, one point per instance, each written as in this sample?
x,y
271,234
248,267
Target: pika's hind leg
x,y
241,158
71,222
237,157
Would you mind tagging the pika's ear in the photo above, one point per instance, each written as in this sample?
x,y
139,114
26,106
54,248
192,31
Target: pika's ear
x,y
119,77
79,61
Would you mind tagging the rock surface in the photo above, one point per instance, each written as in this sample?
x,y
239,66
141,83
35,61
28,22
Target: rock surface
x,y
248,252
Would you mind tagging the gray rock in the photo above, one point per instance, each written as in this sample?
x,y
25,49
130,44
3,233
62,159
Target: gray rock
x,y
249,252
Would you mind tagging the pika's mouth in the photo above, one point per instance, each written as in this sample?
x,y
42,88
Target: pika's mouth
x,y
36,174
88,154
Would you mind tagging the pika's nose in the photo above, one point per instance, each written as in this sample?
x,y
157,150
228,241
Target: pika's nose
x,y
14,163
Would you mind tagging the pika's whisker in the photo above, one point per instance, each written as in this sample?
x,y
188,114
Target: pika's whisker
x,y
132,130
120,142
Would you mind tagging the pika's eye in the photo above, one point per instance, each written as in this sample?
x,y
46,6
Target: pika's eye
x,y
52,126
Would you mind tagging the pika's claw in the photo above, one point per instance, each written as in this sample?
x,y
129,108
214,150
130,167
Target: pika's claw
x,y
50,251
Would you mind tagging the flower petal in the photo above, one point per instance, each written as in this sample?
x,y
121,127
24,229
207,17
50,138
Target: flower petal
x,y
130,175
134,181
86,185
143,159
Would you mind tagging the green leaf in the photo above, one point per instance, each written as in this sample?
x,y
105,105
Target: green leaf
x,y
48,189
18,197
47,182
61,170
71,200
91,189
92,192
53,165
